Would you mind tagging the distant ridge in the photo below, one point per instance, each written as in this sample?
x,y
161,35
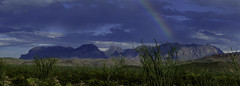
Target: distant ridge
x,y
112,50
185,51
195,51
225,57
84,51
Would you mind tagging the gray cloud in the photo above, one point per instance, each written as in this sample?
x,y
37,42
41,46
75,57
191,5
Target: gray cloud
x,y
74,22
223,4
25,5
225,23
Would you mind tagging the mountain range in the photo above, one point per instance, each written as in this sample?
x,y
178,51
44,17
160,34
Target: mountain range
x,y
226,57
185,52
84,51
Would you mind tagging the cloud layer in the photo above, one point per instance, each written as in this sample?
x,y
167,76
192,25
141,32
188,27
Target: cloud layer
x,y
32,23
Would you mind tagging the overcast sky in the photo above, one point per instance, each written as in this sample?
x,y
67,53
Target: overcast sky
x,y
25,24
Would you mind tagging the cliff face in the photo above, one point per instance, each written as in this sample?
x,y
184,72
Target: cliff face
x,y
128,53
189,52
84,51
88,51
112,50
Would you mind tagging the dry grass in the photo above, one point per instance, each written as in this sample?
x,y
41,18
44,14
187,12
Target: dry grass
x,y
75,62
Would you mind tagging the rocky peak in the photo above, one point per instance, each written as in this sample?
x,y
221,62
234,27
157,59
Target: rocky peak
x,y
112,50
115,48
185,52
88,47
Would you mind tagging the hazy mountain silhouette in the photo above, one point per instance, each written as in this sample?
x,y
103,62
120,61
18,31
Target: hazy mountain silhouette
x,y
185,52
112,50
84,51
226,57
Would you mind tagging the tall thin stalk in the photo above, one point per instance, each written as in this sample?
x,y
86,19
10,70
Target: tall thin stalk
x,y
119,65
159,67
44,66
2,71
236,65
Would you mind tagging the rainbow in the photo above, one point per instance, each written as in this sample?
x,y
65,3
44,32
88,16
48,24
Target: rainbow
x,y
157,18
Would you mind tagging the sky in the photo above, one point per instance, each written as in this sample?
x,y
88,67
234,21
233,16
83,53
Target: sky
x,y
25,24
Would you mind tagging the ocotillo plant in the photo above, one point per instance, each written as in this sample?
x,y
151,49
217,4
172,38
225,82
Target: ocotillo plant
x,y
44,67
119,65
158,66
2,71
236,65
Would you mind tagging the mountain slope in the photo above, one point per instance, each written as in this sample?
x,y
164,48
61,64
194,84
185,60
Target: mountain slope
x,y
112,50
226,57
185,52
84,51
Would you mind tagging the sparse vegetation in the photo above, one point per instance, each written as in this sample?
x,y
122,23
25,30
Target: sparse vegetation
x,y
156,69
236,64
44,67
193,74
2,72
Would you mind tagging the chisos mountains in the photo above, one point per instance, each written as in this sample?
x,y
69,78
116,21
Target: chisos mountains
x,y
84,51
185,52
226,57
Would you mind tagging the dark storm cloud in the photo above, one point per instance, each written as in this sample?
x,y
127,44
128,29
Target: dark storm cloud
x,y
74,22
90,15
212,21
86,15
22,29
19,6
220,29
214,37
117,34
234,4
6,30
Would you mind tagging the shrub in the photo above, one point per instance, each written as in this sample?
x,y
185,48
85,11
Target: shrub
x,y
107,71
46,82
158,68
19,80
43,67
205,80
96,82
119,67
2,71
236,65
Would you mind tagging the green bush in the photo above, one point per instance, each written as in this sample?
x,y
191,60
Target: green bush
x,y
205,80
23,75
236,65
43,67
45,82
19,80
2,71
96,82
159,69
